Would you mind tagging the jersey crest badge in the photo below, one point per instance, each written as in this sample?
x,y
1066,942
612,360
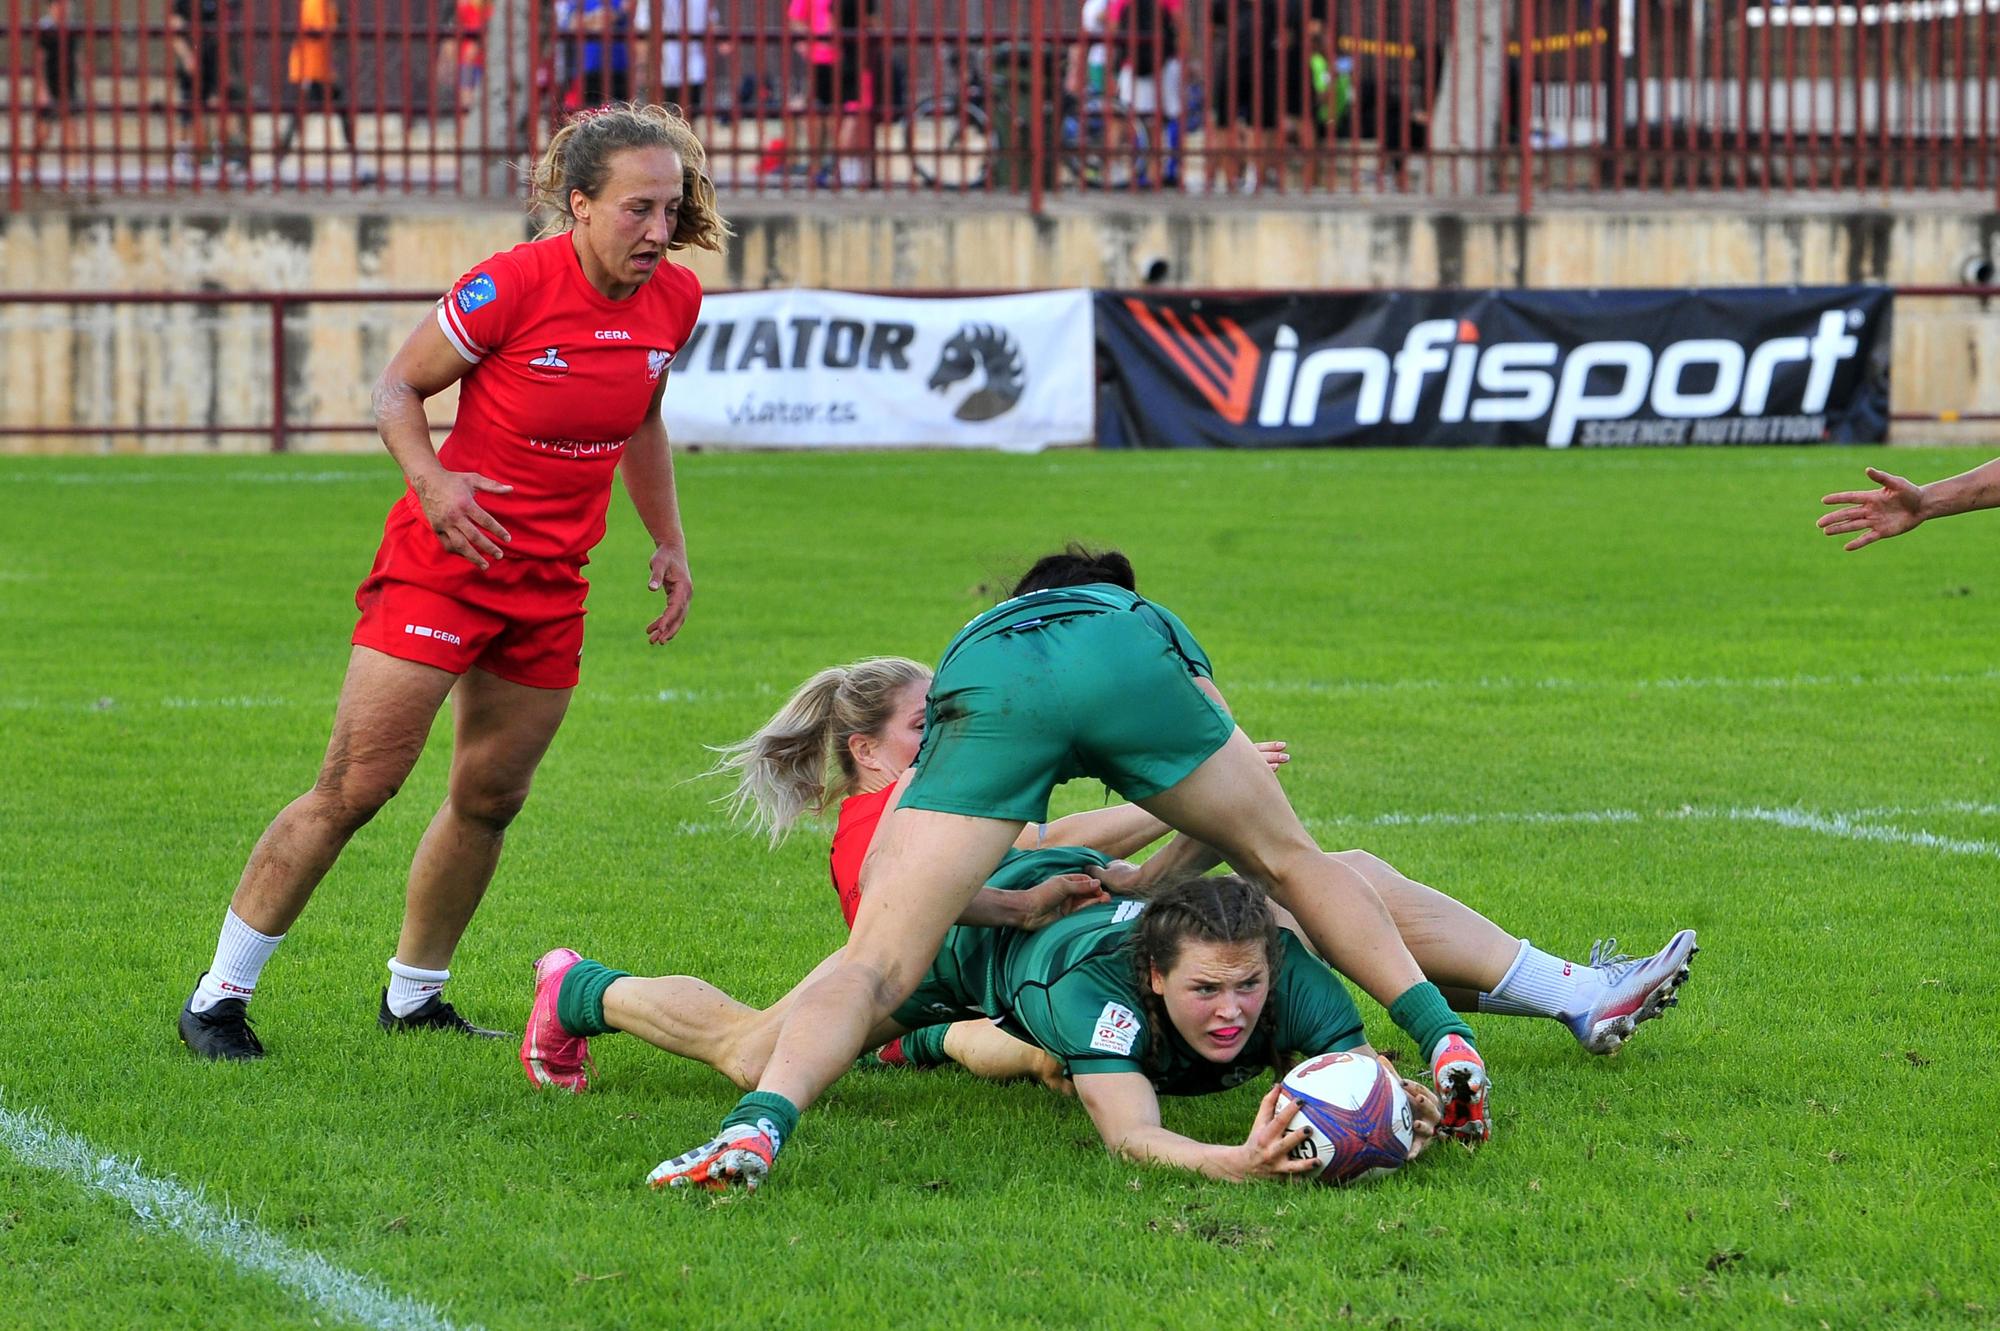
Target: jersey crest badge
x,y
550,364
656,365
479,290
1117,1030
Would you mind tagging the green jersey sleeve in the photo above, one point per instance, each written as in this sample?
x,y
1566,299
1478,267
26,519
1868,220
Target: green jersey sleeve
x,y
1316,1015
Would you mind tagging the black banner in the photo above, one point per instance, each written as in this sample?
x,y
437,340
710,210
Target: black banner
x,y
1597,369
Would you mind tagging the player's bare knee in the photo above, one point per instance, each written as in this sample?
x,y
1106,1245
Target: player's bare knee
x,y
348,795
878,985
1276,865
1360,861
491,808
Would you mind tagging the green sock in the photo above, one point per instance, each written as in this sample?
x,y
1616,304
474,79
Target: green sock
x,y
771,1114
580,1001
1423,1012
924,1047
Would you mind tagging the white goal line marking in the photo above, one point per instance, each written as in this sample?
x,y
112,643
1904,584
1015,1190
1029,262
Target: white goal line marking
x,y
162,1203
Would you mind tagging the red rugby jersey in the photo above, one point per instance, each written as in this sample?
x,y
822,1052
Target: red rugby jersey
x,y
562,377
859,816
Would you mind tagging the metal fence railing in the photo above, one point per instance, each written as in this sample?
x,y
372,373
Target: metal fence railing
x,y
1441,98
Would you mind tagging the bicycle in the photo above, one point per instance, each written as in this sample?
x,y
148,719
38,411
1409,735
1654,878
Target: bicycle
x,y
1102,143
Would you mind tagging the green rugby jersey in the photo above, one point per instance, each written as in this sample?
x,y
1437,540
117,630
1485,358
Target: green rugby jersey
x,y
1070,988
1095,598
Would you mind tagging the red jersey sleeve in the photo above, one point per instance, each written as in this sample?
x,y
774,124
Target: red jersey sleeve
x,y
860,815
480,307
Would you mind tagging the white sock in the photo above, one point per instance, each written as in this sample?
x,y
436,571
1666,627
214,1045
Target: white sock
x,y
240,954
410,987
1539,985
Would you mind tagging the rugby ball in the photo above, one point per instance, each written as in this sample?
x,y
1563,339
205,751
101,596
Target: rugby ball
x,y
1357,1117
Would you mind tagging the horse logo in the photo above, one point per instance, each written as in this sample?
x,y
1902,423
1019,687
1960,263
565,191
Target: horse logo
x,y
981,347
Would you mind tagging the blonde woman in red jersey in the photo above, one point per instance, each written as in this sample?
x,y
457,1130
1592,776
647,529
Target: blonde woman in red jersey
x,y
560,348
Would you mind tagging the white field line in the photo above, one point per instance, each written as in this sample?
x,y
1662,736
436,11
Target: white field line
x,y
241,702
1561,684
1331,688
1841,826
328,476
706,466
162,1203
1848,826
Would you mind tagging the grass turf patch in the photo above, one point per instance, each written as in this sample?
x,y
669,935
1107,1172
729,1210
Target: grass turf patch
x,y
1589,694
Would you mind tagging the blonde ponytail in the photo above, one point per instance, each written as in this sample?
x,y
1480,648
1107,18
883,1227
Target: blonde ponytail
x,y
798,762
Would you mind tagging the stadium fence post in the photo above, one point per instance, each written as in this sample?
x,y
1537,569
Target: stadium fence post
x,y
14,108
277,374
1524,107
1038,95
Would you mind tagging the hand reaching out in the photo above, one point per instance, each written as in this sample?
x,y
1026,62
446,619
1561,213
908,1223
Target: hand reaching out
x,y
1267,1153
1426,1111
1890,511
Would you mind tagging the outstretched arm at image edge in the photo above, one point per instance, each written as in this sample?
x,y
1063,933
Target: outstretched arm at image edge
x,y
1900,506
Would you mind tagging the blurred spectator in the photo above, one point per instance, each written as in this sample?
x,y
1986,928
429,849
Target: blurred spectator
x,y
460,62
60,77
1145,37
1087,59
1260,85
314,85
210,85
1392,97
832,37
598,39
683,72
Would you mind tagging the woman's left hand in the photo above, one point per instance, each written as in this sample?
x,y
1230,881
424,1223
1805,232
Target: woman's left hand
x,y
1268,1152
1426,1111
670,573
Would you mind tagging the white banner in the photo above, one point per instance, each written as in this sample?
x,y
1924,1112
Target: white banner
x,y
817,369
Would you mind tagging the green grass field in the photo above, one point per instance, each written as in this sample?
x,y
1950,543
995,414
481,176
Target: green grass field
x,y
1588,693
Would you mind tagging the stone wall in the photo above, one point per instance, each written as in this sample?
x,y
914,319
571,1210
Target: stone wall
x,y
206,366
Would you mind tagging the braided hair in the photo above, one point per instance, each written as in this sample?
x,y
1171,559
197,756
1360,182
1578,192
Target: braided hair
x,y
1228,908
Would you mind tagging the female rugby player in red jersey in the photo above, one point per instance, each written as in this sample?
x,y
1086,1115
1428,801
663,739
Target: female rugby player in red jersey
x,y
560,348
